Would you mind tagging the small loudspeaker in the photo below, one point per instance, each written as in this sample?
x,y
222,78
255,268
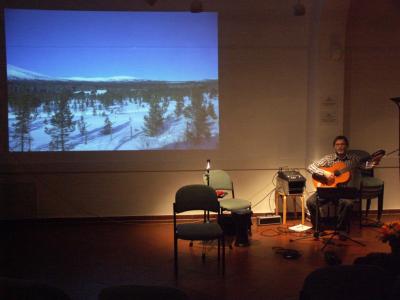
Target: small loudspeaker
x,y
268,220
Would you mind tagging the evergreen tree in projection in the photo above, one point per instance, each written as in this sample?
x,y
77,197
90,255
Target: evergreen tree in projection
x,y
154,121
62,124
179,106
164,104
82,106
107,128
47,107
82,126
213,92
107,99
24,108
211,111
197,128
75,106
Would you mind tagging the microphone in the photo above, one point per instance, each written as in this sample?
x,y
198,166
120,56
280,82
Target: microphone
x,y
207,175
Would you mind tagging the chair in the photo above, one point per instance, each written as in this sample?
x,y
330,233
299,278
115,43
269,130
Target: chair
x,y
20,289
223,184
370,188
345,282
198,197
220,180
140,292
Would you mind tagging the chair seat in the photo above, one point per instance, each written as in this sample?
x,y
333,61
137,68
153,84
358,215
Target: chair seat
x,y
198,231
371,182
12,288
234,204
345,282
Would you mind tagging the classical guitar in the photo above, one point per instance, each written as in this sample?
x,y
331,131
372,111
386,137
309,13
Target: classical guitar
x,y
342,172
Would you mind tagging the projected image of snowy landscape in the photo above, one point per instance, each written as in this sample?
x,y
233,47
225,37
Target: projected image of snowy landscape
x,y
118,84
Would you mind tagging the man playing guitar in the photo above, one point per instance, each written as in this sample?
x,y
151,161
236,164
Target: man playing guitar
x,y
335,170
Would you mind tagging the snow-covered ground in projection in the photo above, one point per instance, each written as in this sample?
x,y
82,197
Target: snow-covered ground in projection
x,y
127,128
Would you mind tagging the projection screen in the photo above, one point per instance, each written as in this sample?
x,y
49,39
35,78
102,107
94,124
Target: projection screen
x,y
106,80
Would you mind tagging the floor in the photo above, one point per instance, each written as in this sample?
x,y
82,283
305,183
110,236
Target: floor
x,y
84,258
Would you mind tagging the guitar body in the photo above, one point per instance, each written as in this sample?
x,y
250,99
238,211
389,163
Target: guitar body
x,y
340,176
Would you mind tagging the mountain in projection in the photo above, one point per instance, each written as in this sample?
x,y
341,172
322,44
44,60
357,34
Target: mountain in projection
x,y
102,79
17,73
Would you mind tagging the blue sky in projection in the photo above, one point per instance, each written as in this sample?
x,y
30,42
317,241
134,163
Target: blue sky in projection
x,y
146,45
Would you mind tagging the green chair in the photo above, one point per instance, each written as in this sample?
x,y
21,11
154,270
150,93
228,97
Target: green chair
x,y
370,188
223,184
221,181
198,197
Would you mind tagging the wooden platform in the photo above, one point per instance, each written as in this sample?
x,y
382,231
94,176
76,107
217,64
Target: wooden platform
x,y
84,258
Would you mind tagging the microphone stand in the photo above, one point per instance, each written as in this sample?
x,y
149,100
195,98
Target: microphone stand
x,y
207,174
206,213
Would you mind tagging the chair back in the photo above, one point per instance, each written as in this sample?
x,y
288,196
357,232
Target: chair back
x,y
20,289
363,155
360,153
219,180
351,282
196,197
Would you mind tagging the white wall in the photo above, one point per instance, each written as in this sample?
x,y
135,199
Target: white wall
x,y
373,59
276,72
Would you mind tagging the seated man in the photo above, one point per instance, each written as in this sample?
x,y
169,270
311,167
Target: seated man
x,y
352,164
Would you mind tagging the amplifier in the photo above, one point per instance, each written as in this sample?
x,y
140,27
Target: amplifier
x,y
267,220
290,182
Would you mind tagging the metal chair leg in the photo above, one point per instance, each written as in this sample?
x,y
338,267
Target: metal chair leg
x,y
219,250
368,207
380,205
223,255
175,257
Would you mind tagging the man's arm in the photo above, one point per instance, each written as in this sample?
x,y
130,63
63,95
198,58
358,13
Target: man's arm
x,y
315,167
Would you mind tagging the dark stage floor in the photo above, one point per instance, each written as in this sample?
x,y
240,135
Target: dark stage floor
x,y
84,258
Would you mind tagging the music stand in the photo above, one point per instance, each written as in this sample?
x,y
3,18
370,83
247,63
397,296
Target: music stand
x,y
334,195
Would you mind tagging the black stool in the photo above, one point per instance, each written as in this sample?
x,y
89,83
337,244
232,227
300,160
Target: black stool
x,y
242,220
